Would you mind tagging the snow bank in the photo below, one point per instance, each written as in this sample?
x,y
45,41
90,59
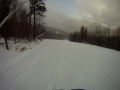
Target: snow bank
x,y
20,46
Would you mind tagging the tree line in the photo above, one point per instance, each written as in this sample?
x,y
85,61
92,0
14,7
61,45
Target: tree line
x,y
105,38
23,24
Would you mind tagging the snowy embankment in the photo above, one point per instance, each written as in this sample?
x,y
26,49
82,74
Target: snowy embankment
x,y
54,64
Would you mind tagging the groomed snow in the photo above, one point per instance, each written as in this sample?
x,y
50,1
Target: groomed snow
x,y
54,64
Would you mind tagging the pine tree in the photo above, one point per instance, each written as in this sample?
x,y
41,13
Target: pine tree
x,y
37,7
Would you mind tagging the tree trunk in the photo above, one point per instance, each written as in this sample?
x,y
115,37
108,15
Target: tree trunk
x,y
30,29
34,23
5,37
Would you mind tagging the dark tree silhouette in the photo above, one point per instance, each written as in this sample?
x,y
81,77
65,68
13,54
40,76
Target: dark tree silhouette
x,y
19,25
4,11
98,37
37,7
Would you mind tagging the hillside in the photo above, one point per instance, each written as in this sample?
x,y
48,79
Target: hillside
x,y
56,34
60,65
77,24
56,31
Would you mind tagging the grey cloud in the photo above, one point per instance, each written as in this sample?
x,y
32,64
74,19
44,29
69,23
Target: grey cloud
x,y
104,11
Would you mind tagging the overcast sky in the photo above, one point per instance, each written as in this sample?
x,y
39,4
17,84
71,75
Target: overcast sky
x,y
62,13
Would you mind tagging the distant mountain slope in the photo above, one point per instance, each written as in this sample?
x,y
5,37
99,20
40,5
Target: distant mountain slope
x,y
89,24
56,31
53,33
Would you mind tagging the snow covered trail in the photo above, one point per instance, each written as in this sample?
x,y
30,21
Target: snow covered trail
x,y
63,65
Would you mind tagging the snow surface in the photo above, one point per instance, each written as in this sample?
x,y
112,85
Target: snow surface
x,y
55,64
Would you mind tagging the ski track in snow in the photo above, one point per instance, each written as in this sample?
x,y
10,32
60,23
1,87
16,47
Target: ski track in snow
x,y
55,65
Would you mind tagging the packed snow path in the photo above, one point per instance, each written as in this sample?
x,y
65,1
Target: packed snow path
x,y
58,65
